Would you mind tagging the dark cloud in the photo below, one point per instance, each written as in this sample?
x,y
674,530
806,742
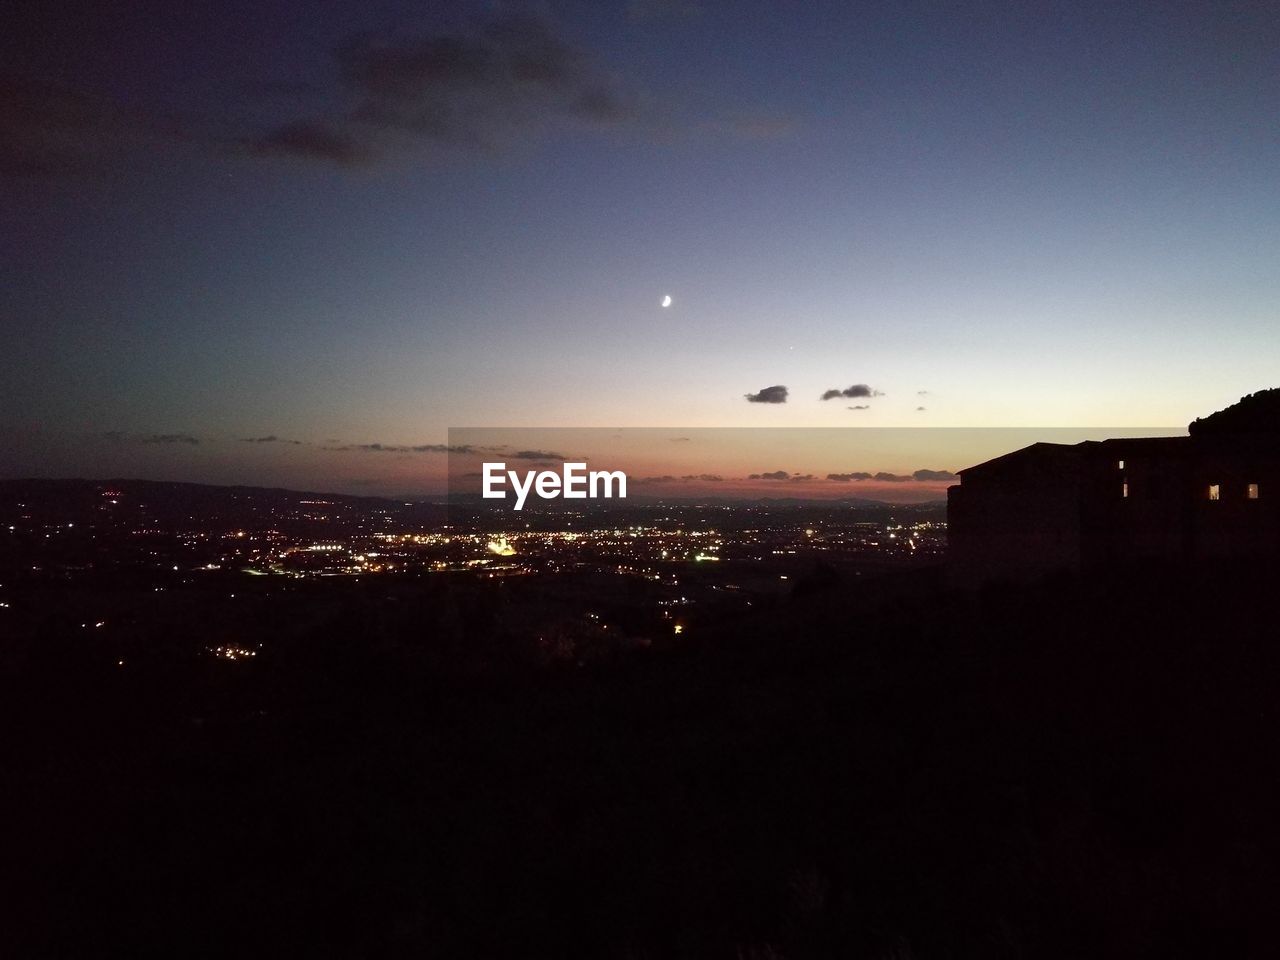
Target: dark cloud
x,y
919,409
679,439
463,448
313,140
922,393
781,475
539,455
271,439
892,477
119,436
687,478
506,76
498,80
776,394
50,129
854,392
403,448
45,128
452,448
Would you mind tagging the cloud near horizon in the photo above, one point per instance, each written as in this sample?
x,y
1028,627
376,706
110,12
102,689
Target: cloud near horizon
x,y
119,436
402,448
687,478
885,477
548,455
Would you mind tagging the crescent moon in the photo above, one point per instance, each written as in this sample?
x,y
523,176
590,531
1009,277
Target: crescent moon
x,y
666,301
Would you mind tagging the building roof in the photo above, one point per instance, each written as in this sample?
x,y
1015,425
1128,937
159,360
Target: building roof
x,y
1048,452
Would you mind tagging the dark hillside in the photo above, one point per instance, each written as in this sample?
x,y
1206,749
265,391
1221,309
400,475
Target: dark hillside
x,y
1065,770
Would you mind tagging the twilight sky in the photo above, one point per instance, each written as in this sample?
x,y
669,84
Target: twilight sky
x,y
358,224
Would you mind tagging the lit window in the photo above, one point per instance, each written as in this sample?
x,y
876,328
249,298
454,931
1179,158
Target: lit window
x,y
1119,464
1124,489
1215,491
1253,491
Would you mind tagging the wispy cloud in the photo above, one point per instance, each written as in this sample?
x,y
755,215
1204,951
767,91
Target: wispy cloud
x,y
119,436
541,455
52,129
668,478
502,77
460,449
886,477
403,448
314,140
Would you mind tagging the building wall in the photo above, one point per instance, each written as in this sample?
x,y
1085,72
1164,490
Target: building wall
x,y
1141,511
1114,503
1234,525
1015,523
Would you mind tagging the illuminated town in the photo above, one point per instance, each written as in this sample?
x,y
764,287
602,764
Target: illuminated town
x,y
270,564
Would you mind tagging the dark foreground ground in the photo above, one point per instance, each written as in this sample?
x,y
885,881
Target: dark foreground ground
x,y
1066,770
